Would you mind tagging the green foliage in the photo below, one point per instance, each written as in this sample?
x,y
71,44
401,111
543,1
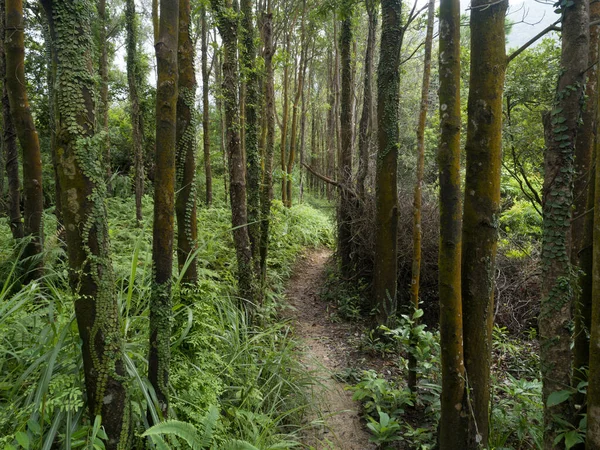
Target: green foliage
x,y
250,377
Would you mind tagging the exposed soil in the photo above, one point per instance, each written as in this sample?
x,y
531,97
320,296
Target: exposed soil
x,y
328,349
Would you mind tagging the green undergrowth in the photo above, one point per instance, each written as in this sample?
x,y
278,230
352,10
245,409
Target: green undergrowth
x,y
237,385
397,418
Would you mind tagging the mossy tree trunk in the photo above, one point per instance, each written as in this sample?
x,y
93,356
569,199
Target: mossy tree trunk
x,y
557,276
453,422
482,205
205,106
84,215
267,184
134,80
583,219
417,234
388,134
166,49
23,121
9,144
251,105
366,119
347,132
226,14
185,206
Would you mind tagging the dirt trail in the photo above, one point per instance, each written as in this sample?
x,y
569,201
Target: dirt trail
x,y
326,351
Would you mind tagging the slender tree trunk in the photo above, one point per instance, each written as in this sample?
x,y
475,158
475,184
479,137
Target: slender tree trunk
x,y
295,106
347,131
251,105
557,293
9,144
582,225
134,80
482,205
386,192
185,204
164,202
205,110
267,186
417,234
103,103
84,214
330,156
226,11
284,121
223,125
28,137
453,421
366,119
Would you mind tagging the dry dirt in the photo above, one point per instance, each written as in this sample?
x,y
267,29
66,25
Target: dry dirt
x,y
336,423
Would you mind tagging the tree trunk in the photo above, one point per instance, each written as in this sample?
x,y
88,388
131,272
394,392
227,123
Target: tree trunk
x,y
134,80
417,234
365,127
9,144
226,12
453,421
482,206
284,121
251,105
295,106
386,192
557,294
347,131
164,198
185,206
103,103
28,137
84,214
593,394
267,186
583,222
223,125
205,110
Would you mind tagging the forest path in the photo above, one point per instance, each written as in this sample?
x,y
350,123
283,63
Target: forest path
x,y
325,352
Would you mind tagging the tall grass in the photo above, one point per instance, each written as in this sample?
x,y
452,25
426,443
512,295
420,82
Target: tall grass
x,y
249,375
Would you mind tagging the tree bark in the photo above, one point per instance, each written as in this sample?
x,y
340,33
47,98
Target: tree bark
x,y
482,205
267,186
226,11
582,225
28,137
84,214
251,126
417,234
347,131
134,80
453,421
9,144
557,293
103,103
185,206
205,110
593,391
365,126
388,133
164,198
284,121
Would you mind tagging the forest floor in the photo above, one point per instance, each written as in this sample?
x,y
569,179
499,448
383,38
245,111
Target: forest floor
x,y
326,350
